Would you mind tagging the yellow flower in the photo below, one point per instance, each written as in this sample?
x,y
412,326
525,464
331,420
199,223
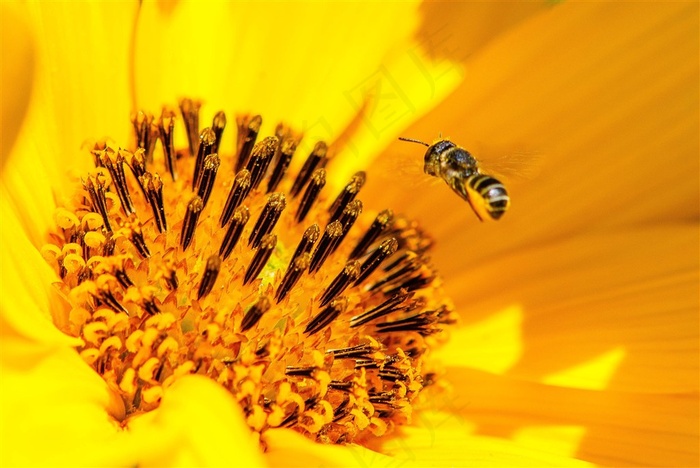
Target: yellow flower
x,y
579,309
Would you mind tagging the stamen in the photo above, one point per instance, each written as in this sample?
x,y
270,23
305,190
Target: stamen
x,y
348,275
154,193
189,225
352,352
296,268
211,272
318,180
96,191
218,125
138,168
207,177
260,159
255,313
262,255
166,126
332,233
306,244
381,222
326,316
347,195
300,371
146,133
276,203
190,117
239,190
115,166
235,229
248,129
347,219
372,262
206,143
316,159
286,152
390,305
136,238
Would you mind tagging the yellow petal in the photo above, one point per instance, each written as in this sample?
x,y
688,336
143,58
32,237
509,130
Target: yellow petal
x,y
76,96
444,439
18,72
28,298
605,92
602,427
301,63
54,408
607,310
204,425
290,449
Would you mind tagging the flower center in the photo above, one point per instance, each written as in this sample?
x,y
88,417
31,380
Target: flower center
x,y
313,316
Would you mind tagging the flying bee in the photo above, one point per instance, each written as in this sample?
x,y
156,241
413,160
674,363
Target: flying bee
x,y
460,170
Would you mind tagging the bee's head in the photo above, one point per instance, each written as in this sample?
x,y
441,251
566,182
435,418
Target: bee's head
x,y
431,165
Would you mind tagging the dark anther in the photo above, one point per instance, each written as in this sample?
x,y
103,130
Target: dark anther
x,y
136,238
268,218
316,159
255,312
96,191
107,298
166,126
366,364
262,255
347,219
318,180
381,222
347,195
340,385
146,133
138,168
386,398
248,128
391,374
171,280
206,142
372,262
420,322
392,304
260,159
211,271
190,117
115,166
352,352
308,239
300,371
347,276
207,177
419,280
332,233
123,278
218,125
239,190
153,186
189,225
233,233
327,315
407,263
108,246
294,271
149,305
286,151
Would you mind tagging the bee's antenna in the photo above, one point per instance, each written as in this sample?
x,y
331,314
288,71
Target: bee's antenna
x,y
414,141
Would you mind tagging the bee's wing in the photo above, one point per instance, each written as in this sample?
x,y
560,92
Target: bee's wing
x,y
409,170
508,164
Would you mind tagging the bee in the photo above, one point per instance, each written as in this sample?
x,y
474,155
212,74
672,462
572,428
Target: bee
x,y
460,170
